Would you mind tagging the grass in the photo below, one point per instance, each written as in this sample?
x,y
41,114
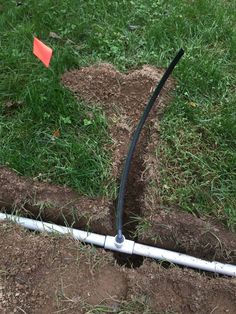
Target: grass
x,y
197,150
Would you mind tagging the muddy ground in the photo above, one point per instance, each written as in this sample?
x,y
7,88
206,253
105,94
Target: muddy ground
x,y
172,290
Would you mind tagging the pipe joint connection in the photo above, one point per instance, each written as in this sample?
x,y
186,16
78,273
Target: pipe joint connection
x,y
119,240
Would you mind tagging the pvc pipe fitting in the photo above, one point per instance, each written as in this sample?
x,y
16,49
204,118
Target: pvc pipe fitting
x,y
128,246
119,241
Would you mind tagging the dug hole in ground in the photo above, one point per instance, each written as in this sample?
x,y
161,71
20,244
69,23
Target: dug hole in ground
x,y
47,274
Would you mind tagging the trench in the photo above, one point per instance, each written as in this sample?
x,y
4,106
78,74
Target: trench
x,y
133,202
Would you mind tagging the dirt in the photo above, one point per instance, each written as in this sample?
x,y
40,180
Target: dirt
x,y
177,290
42,274
122,96
188,234
47,274
53,203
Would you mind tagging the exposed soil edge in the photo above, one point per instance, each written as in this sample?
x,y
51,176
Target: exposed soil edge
x,y
177,290
182,232
54,203
122,96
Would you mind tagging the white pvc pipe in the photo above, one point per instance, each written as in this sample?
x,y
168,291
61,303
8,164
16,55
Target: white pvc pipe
x,y
129,247
83,236
185,260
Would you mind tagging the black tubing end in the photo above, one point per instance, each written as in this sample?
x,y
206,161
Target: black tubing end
x,y
181,51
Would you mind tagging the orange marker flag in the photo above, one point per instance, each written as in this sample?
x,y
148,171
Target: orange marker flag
x,y
43,52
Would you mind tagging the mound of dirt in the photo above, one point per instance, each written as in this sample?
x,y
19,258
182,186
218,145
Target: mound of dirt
x,y
122,96
51,274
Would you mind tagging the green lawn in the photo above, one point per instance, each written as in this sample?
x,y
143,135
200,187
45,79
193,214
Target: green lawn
x,y
198,130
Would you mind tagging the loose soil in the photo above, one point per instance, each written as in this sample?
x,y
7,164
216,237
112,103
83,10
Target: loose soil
x,y
45,274
48,274
42,274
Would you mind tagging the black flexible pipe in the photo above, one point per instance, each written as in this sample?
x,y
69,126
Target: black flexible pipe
x,y
125,173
